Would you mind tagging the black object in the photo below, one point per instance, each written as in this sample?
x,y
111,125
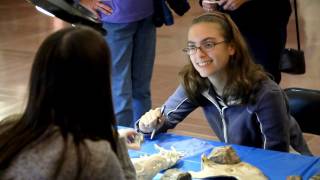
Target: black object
x,y
179,6
304,105
162,13
71,12
292,61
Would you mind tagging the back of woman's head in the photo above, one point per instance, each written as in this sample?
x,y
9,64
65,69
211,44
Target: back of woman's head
x,y
69,88
70,83
242,72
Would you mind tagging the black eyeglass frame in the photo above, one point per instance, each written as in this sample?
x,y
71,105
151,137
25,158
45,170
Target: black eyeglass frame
x,y
187,49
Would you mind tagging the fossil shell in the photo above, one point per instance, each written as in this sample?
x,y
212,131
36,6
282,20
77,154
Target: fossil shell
x,y
224,155
223,161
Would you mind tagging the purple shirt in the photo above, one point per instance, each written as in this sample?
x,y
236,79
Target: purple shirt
x,y
126,11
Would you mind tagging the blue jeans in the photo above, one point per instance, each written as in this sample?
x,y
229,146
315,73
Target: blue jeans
x,y
132,48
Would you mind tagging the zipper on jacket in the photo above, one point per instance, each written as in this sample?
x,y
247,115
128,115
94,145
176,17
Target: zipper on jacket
x,y
221,111
225,132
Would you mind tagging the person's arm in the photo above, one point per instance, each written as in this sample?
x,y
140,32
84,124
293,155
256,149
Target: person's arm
x,y
231,5
95,6
227,5
273,118
177,107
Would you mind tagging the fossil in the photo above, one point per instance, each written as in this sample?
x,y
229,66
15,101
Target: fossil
x,y
148,166
224,162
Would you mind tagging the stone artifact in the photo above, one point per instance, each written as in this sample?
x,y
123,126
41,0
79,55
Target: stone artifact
x,y
224,162
293,178
148,166
175,174
315,177
224,155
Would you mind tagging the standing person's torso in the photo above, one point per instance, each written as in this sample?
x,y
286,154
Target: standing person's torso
x,y
128,11
261,14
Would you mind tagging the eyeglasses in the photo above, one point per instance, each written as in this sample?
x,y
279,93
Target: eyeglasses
x,y
206,47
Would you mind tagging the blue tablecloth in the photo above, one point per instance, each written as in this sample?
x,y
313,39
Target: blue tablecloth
x,y
275,165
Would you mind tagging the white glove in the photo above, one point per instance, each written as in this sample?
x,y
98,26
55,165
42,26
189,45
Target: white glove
x,y
151,120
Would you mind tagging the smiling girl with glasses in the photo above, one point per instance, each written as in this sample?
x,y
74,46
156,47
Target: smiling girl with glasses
x,y
242,105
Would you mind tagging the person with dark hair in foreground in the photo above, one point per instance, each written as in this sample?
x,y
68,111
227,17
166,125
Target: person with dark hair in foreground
x,y
241,103
68,129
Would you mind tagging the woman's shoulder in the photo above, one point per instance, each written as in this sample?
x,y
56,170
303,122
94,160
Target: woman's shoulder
x,y
100,160
103,161
98,149
268,88
268,92
42,152
269,85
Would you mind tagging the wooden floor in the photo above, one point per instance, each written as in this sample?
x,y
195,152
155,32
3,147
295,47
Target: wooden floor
x,y
22,29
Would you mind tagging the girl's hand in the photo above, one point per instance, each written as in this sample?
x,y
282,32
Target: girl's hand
x,y
105,9
150,120
96,5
